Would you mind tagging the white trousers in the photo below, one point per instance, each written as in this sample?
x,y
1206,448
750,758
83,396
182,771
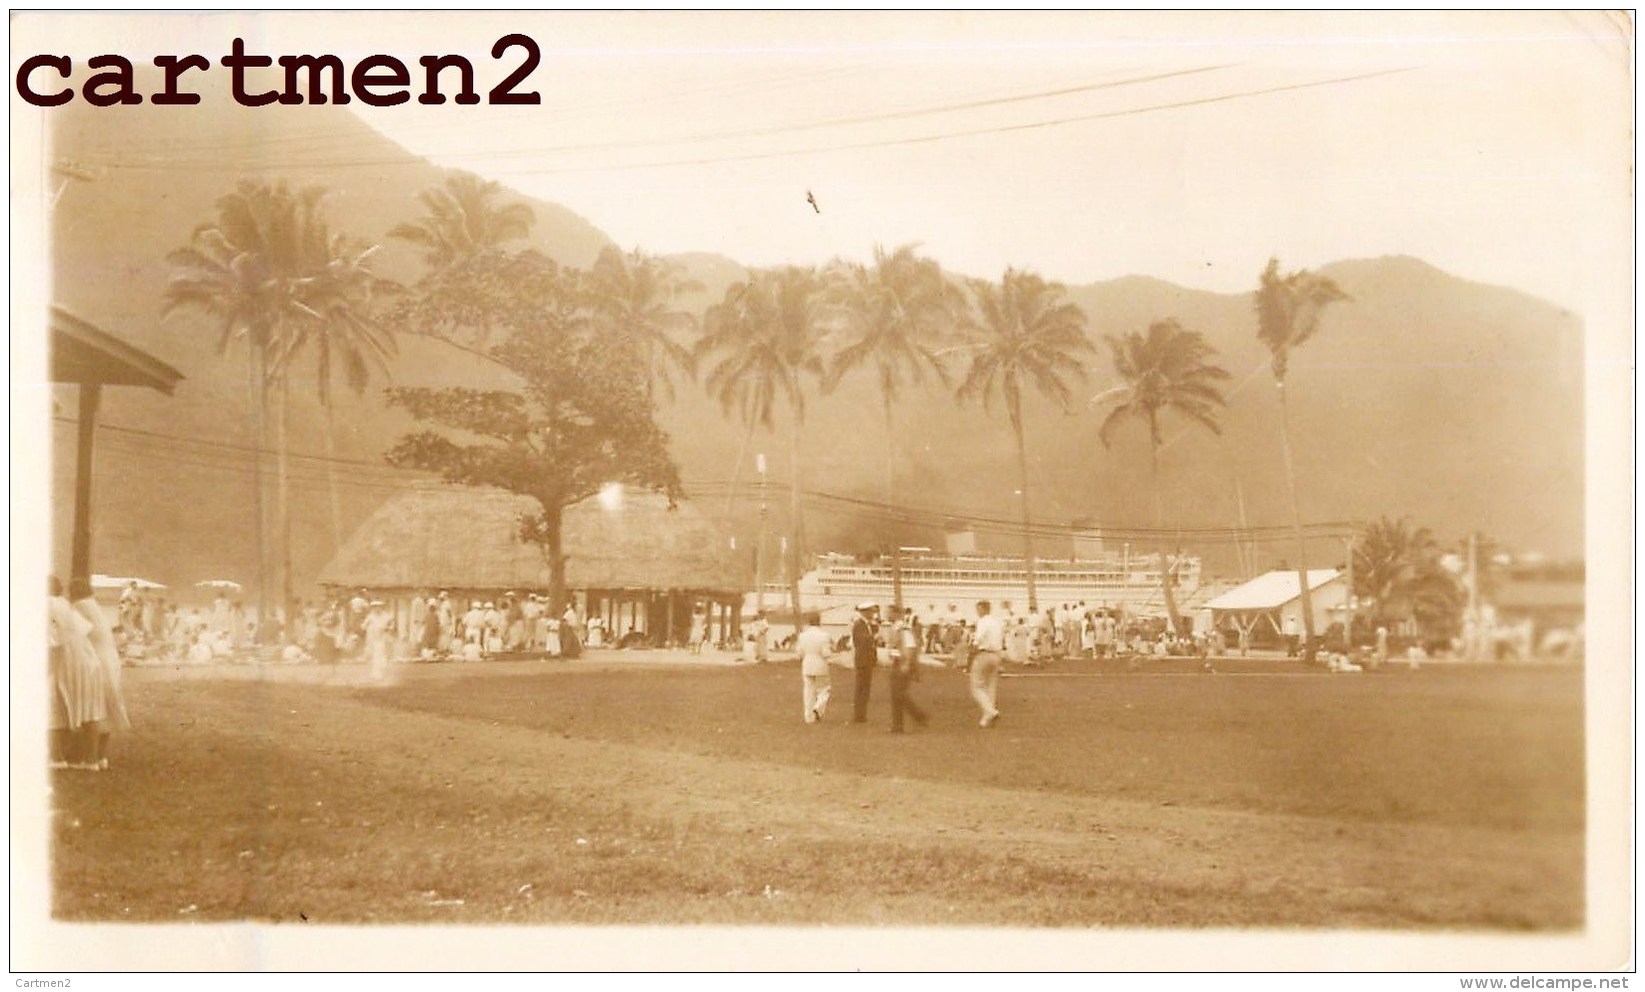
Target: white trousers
x,y
816,696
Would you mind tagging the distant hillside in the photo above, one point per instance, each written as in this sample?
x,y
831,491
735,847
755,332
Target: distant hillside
x,y
1456,403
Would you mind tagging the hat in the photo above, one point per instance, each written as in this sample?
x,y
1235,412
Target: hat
x,y
491,605
376,602
443,594
867,606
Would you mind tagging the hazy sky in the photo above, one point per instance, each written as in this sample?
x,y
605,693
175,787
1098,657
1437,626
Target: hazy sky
x,y
1189,147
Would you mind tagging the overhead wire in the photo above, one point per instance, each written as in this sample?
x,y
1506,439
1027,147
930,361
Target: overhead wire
x,y
312,471
126,161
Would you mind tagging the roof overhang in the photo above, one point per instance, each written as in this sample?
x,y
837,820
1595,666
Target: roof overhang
x,y
84,354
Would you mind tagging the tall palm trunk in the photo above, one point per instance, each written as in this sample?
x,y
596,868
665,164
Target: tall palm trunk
x,y
283,500
1167,578
1027,517
737,470
890,494
259,394
331,479
1296,527
796,522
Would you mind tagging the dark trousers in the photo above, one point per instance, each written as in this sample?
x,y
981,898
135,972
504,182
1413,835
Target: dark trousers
x,y
859,697
902,703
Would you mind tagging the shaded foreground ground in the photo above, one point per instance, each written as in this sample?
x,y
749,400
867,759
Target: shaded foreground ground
x,y
590,793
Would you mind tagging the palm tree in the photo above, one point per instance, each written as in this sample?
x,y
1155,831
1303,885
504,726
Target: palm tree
x,y
1288,313
636,296
250,269
462,220
345,332
1398,568
1025,333
1167,370
897,311
763,340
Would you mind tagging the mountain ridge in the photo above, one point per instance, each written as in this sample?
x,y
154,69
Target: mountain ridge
x,y
1454,402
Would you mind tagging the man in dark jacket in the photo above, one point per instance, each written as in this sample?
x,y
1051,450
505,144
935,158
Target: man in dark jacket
x,y
865,654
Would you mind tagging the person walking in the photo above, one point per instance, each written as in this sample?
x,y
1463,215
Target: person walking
x,y
904,642
988,644
813,646
865,654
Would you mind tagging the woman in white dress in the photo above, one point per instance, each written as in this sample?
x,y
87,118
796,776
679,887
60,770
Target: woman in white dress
x,y
100,633
377,626
699,630
79,702
1016,643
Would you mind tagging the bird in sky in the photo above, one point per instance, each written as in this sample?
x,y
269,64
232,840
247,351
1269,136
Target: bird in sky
x,y
812,199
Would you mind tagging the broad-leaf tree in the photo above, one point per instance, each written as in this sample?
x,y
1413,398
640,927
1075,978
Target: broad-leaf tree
x,y
1168,370
1026,334
1289,307
579,418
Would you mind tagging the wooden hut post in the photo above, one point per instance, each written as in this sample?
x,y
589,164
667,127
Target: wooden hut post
x,y
668,624
80,557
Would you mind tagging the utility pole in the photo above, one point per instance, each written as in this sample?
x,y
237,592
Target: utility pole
x,y
1472,624
1352,604
759,541
896,572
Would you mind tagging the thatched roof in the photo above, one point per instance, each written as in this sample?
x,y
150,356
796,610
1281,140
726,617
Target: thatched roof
x,y
457,537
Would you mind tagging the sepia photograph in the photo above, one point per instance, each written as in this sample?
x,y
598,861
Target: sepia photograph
x,y
822,491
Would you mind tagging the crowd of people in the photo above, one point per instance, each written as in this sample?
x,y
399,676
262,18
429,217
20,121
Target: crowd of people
x,y
355,628
1072,630
900,640
440,627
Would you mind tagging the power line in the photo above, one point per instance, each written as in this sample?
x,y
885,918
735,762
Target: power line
x,y
891,115
948,136
386,478
214,164
535,115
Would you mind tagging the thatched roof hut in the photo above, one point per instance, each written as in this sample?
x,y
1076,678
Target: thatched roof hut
x,y
636,563
459,537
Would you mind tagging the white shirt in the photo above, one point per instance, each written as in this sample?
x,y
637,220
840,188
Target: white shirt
x,y
813,645
990,633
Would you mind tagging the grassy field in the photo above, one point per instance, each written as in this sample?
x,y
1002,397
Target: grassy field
x,y
599,793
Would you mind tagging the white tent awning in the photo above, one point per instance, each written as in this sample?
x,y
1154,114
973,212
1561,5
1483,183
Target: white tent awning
x,y
1270,591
